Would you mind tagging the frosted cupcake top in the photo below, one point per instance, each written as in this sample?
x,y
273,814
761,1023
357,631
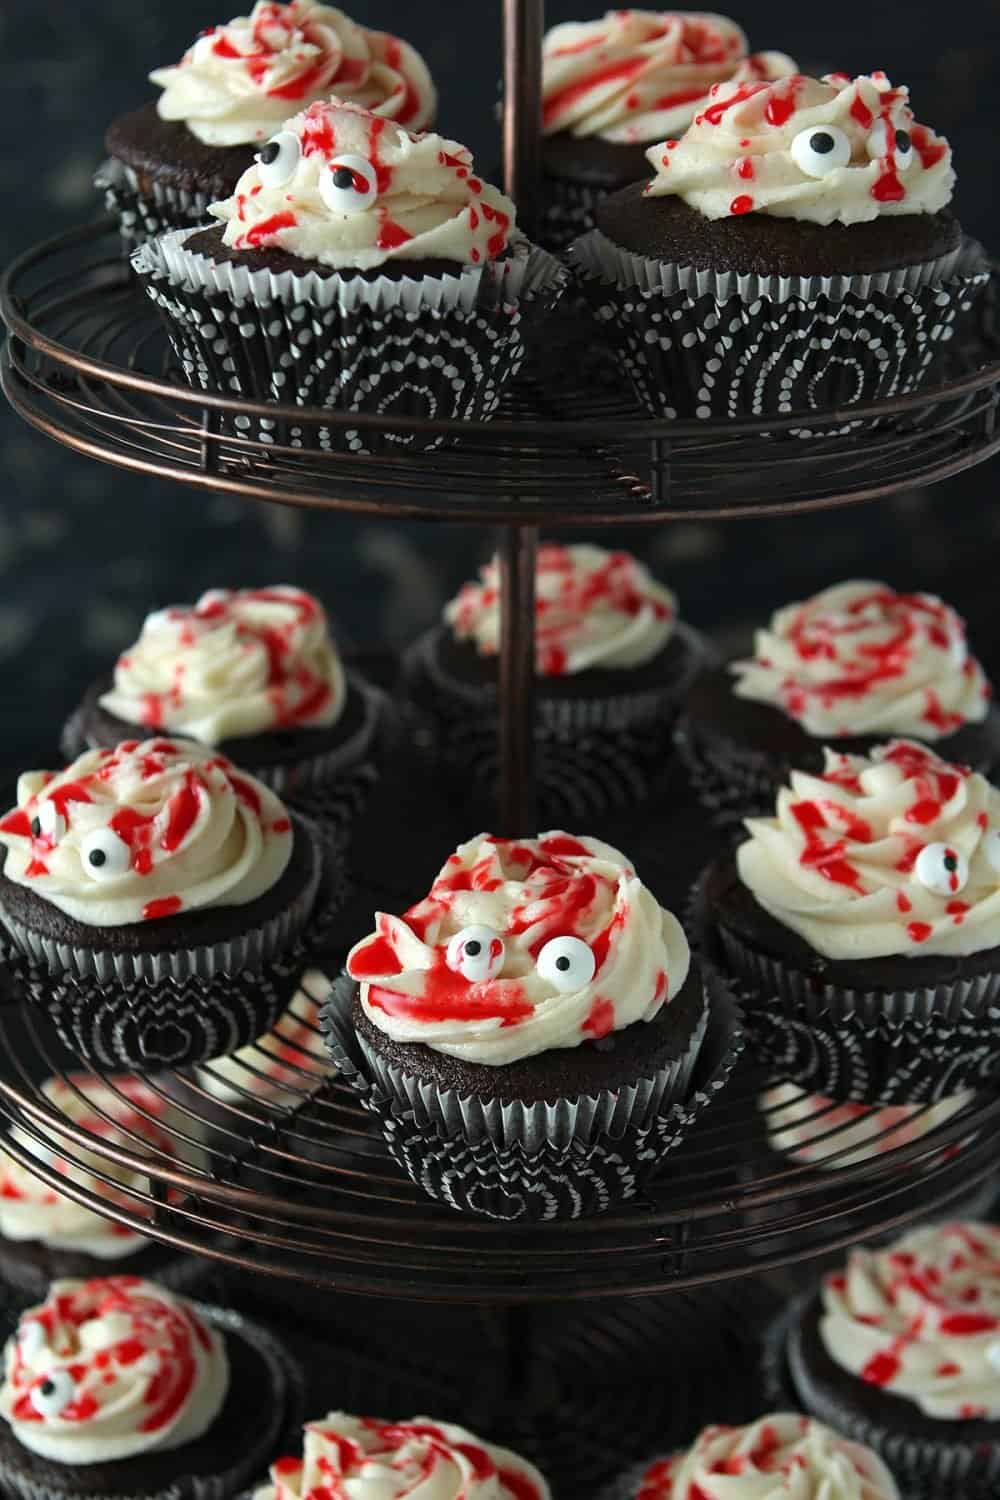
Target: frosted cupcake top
x,y
369,1459
640,75
831,1133
124,1111
109,1369
780,1457
346,188
522,946
145,831
593,609
239,81
860,658
920,1319
893,853
239,662
824,150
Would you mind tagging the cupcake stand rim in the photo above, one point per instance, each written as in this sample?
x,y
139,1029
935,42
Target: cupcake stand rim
x,y
294,1190
297,1185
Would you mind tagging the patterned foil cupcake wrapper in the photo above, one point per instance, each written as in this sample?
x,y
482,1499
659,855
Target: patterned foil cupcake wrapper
x,y
282,1431
729,790
438,347
143,215
567,212
171,1009
925,1469
536,1163
709,345
866,1046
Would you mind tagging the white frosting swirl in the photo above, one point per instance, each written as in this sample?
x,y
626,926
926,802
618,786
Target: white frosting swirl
x,y
145,831
239,82
642,75
859,658
920,1319
742,153
780,1457
844,865
110,1368
125,1112
239,662
369,1459
830,1134
408,196
629,956
593,608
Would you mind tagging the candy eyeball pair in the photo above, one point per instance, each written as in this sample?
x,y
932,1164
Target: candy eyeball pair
x,y
477,953
822,149
348,184
944,871
103,855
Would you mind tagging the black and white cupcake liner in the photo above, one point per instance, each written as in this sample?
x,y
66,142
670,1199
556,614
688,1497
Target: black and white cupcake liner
x,y
925,1468
710,345
867,1046
144,214
170,1008
567,211
536,1162
438,348
730,787
283,1426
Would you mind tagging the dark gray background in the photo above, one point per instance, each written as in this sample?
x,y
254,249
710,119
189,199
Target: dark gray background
x,y
86,550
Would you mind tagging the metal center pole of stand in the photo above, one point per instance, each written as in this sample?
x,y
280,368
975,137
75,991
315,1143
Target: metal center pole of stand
x,y
523,26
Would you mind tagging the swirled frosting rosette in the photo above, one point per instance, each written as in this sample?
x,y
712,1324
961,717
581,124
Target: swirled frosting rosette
x,y
920,1319
861,659
639,75
109,1369
520,947
594,609
782,1456
239,81
833,1133
371,1459
816,150
123,1112
240,662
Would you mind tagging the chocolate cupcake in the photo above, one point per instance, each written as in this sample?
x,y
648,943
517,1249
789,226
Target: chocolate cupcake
x,y
352,1455
853,665
863,921
613,88
45,1235
115,1387
233,88
358,267
524,1031
157,903
256,674
900,1350
612,663
778,1455
793,252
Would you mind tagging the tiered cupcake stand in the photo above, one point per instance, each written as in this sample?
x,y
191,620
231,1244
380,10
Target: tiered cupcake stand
x,y
299,1188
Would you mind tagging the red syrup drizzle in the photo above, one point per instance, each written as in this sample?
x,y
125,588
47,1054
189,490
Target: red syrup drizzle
x,y
741,204
783,101
828,857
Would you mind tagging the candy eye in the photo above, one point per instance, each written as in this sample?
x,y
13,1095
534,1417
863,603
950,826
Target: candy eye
x,y
567,963
277,160
821,149
878,145
991,850
476,953
53,1394
348,185
941,869
48,822
104,855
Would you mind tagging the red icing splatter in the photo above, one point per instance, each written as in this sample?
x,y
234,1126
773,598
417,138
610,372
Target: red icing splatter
x,y
600,1019
265,228
741,204
166,906
919,932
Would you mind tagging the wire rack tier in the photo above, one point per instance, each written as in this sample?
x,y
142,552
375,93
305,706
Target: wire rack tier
x,y
87,362
298,1184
